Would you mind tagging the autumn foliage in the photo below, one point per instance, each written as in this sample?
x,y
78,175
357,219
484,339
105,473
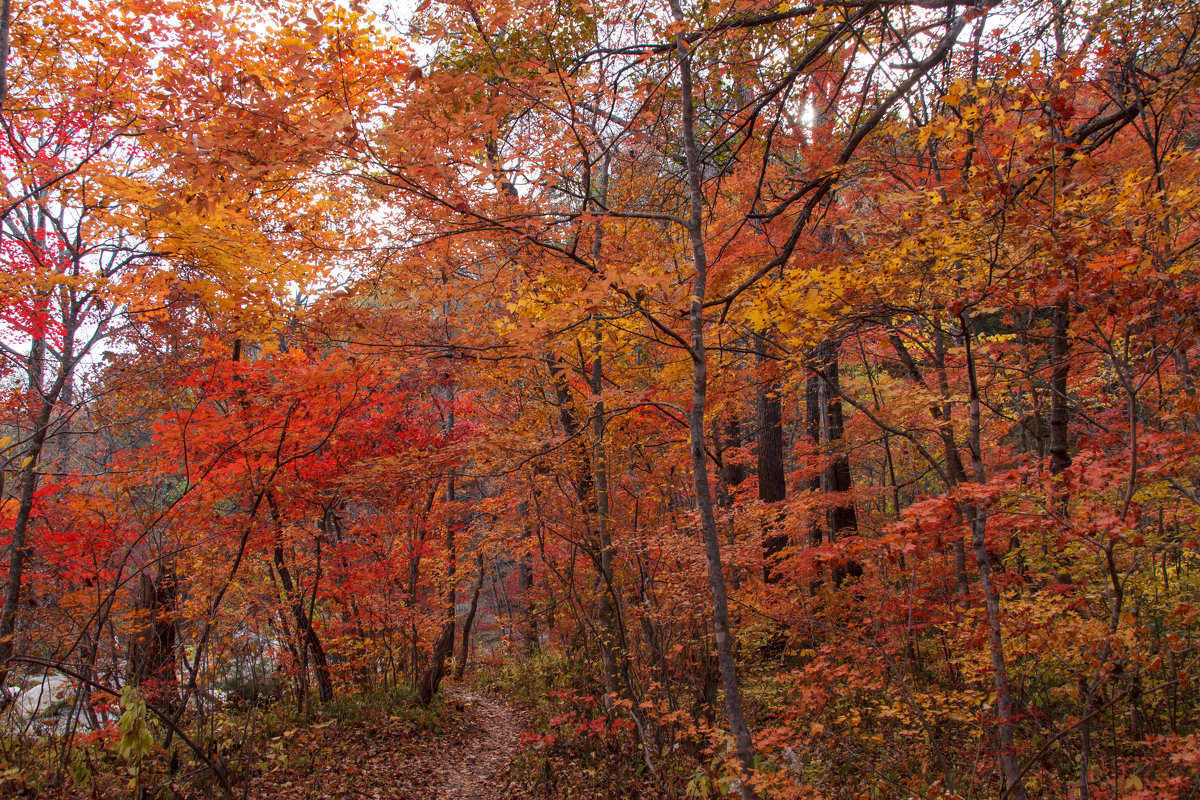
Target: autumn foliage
x,y
779,401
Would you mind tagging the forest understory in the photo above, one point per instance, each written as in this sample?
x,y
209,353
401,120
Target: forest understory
x,y
600,399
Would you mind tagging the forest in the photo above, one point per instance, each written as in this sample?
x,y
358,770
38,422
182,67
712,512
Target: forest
x,y
600,399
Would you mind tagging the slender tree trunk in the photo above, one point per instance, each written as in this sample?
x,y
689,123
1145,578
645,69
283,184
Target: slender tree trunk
x,y
977,518
614,645
465,648
591,488
1060,348
607,603
734,713
20,550
942,414
5,39
320,660
307,639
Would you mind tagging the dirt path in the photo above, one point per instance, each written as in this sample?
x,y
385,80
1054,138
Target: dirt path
x,y
493,739
392,758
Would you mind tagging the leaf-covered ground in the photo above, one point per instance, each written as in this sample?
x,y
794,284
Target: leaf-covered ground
x,y
394,758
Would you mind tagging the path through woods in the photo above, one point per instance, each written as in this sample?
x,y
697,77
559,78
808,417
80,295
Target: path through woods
x,y
392,758
493,739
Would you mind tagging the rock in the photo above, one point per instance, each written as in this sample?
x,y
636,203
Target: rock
x,y
45,698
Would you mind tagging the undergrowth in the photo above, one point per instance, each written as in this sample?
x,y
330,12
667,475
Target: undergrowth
x,y
209,753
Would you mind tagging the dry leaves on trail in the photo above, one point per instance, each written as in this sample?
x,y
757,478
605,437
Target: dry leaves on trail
x,y
393,759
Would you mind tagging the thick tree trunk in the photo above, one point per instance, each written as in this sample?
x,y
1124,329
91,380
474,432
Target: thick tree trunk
x,y
443,647
151,653
812,427
734,474
841,517
1060,456
772,480
529,617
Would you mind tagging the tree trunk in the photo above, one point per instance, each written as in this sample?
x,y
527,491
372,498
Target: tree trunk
x,y
529,622
151,652
734,474
591,488
812,427
1060,348
5,28
977,518
772,481
825,427
734,713
841,517
307,638
19,550
444,646
607,601
942,415
465,648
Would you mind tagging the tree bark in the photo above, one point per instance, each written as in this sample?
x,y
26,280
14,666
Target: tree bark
x,y
20,551
444,645
307,639
772,480
734,712
841,517
151,652
812,427
977,519
5,39
465,648
1060,348
942,415
529,620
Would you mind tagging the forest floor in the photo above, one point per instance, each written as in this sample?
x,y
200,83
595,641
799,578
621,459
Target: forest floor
x,y
465,757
